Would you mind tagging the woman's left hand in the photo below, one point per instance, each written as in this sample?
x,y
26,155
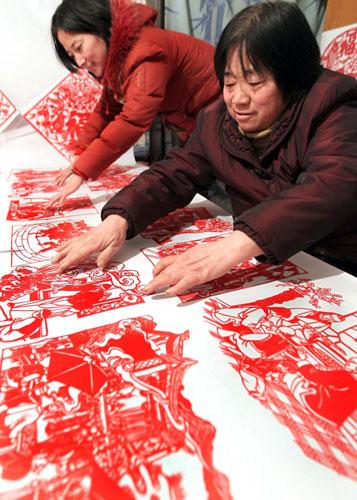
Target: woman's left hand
x,y
201,263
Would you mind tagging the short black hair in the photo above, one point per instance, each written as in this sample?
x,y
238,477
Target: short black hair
x,y
80,16
277,38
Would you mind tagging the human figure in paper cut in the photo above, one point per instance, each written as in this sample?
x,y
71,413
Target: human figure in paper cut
x,y
145,71
292,183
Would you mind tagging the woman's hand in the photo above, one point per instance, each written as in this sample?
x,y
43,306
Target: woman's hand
x,y
201,263
65,172
107,238
73,183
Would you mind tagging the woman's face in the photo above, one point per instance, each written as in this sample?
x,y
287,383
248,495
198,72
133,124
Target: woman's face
x,y
255,101
89,51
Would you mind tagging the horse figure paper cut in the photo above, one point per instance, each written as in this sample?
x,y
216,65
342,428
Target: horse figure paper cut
x,y
27,182
7,110
341,54
84,291
101,413
35,208
300,363
243,275
115,177
61,114
185,221
36,243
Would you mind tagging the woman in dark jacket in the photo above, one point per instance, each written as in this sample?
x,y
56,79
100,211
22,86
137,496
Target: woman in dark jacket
x,y
145,71
283,141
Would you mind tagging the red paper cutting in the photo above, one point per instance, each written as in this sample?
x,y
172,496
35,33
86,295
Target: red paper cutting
x,y
7,109
60,115
85,291
298,359
35,208
27,182
115,177
185,221
35,243
98,413
341,53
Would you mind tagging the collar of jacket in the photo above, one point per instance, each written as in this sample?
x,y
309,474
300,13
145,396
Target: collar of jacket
x,y
128,18
239,146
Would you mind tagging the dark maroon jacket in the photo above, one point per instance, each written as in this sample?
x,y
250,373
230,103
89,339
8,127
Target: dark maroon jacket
x,y
303,190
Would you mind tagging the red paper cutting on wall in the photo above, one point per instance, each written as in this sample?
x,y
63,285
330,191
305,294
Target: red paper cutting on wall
x,y
7,110
341,53
60,116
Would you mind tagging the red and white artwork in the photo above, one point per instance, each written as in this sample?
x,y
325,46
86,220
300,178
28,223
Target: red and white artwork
x,y
101,413
35,208
341,53
7,110
244,275
36,243
189,220
113,178
60,115
26,182
83,291
296,353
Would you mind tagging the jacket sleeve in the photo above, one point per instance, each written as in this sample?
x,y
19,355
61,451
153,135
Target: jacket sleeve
x,y
323,197
145,91
164,187
104,111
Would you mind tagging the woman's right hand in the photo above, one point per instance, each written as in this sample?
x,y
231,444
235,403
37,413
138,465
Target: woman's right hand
x,y
107,238
65,172
73,183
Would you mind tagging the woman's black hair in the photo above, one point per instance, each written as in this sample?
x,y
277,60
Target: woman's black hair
x,y
80,16
277,38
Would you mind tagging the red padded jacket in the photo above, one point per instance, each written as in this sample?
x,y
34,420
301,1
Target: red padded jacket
x,y
149,71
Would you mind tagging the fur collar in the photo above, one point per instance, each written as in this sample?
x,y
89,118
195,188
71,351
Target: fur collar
x,y
127,20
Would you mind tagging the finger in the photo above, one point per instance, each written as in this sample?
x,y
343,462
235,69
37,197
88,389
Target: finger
x,y
163,264
52,201
106,255
158,283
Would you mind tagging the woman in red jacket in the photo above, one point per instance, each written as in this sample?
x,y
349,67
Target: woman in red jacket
x,y
145,71
283,141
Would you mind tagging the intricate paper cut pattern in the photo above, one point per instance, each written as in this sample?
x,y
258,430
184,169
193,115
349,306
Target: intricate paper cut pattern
x,y
35,243
299,362
98,413
341,53
60,116
243,275
7,110
28,182
35,208
29,292
185,221
113,178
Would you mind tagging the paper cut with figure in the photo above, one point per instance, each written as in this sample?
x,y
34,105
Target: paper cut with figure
x,y
36,243
341,54
101,413
35,208
61,115
82,291
243,275
26,182
188,220
7,111
297,355
113,178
